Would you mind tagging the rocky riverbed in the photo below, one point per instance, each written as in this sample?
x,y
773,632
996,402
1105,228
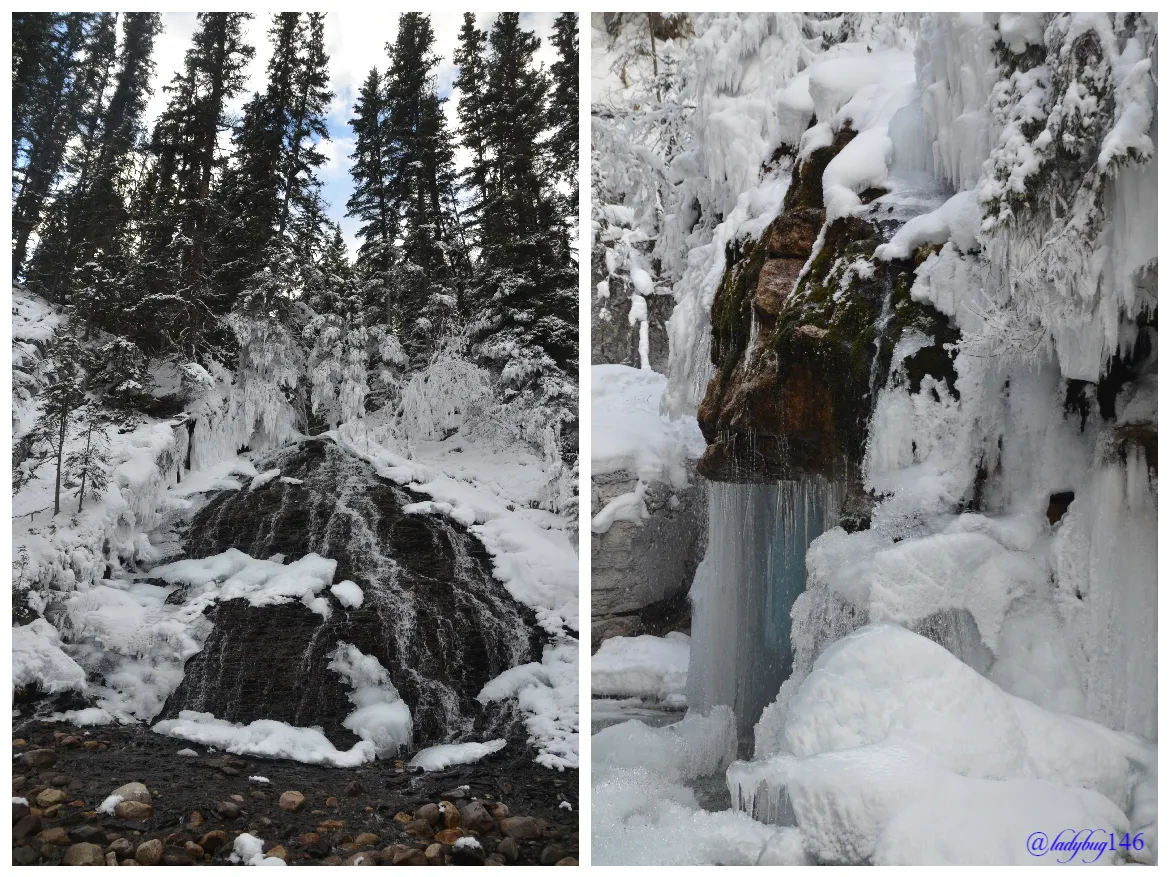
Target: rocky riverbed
x,y
189,809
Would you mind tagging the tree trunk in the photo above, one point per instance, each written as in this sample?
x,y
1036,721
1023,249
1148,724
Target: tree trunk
x,y
60,461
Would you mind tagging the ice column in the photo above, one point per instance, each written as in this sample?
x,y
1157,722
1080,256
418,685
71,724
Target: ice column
x,y
753,571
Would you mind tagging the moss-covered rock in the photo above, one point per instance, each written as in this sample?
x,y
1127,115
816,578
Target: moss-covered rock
x,y
798,402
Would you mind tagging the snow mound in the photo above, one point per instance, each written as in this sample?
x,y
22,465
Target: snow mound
x,y
249,849
448,755
264,478
891,733
642,666
629,433
265,738
37,659
348,594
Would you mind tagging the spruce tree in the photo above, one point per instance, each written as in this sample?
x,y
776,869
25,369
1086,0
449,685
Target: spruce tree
x,y
370,202
32,45
563,107
420,179
71,73
91,216
472,85
527,288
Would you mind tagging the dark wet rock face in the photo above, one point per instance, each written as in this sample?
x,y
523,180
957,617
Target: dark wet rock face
x,y
432,613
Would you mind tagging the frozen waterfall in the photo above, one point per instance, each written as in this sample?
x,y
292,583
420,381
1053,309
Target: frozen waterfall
x,y
752,573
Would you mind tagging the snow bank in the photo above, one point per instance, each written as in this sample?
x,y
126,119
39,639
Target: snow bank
x,y
448,755
629,432
265,738
381,716
37,659
108,534
642,666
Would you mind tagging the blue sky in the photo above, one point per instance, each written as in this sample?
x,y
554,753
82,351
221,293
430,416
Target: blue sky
x,y
355,42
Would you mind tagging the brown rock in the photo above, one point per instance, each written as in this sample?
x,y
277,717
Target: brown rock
x,y
499,810
70,742
278,852
477,819
419,828
521,827
84,854
332,802
111,859
35,758
19,741
366,839
212,841
568,860
91,745
176,856
449,835
410,857
292,801
25,856
121,847
331,825
308,838
228,809
195,819
468,854
434,854
134,811
495,859
793,234
777,279
58,837
361,859
430,812
509,849
126,862
450,814
402,817
149,852
193,850
133,792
